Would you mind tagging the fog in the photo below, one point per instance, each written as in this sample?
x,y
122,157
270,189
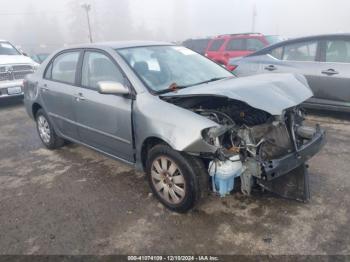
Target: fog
x,y
45,25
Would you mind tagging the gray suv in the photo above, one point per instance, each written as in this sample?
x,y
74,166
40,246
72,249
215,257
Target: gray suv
x,y
187,122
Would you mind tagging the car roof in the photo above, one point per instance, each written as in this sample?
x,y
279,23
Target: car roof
x,y
121,44
199,38
237,35
298,39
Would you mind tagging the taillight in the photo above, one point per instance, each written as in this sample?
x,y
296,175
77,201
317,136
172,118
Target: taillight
x,y
231,67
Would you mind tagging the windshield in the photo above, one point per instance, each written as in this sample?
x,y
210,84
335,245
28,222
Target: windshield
x,y
164,68
8,49
274,39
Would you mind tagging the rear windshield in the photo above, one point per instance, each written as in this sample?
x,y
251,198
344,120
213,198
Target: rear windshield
x,y
7,49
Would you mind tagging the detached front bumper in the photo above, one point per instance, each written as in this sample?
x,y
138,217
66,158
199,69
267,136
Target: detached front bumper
x,y
278,167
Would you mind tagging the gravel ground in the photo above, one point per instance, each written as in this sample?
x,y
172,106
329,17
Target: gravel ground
x,y
76,201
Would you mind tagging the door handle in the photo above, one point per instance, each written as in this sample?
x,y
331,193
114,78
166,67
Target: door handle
x,y
226,54
330,72
80,97
44,88
270,68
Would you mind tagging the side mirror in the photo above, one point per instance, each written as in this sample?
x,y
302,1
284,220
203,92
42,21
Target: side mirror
x,y
25,54
113,88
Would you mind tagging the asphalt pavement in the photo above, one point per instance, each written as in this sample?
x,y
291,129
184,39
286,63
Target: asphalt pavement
x,y
76,201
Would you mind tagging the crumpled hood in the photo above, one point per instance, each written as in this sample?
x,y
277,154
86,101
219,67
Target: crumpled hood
x,y
15,59
272,93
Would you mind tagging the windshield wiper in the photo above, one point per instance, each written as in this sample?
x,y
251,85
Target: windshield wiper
x,y
208,81
174,87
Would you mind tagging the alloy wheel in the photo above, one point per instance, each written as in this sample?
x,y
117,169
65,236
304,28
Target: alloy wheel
x,y
168,180
44,129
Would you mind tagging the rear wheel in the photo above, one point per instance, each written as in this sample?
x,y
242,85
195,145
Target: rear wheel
x,y
46,132
175,179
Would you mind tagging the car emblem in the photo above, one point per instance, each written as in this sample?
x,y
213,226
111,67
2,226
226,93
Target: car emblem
x,y
9,72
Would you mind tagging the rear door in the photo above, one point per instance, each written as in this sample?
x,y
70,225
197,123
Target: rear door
x,y
234,47
243,46
58,89
104,121
215,52
333,83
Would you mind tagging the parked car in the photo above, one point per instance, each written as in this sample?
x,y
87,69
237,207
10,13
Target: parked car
x,y
324,60
14,66
198,45
223,47
183,119
40,57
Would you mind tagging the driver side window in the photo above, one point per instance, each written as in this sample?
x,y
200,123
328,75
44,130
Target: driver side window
x,y
99,67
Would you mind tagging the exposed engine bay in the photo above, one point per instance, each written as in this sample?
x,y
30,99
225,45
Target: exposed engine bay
x,y
253,145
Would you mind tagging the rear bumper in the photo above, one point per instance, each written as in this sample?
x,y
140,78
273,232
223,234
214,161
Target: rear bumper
x,y
278,167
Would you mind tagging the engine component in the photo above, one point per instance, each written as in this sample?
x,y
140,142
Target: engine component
x,y
243,114
246,182
223,174
277,141
252,169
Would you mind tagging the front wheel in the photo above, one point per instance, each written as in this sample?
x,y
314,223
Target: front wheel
x,y
177,180
46,131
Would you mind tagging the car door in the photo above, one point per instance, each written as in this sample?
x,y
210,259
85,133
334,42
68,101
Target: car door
x,y
104,120
333,84
214,51
57,90
300,57
235,47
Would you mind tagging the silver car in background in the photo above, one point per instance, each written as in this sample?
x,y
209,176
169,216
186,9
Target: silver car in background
x,y
324,60
184,120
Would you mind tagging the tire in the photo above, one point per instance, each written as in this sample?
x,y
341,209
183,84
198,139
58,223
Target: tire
x,y
178,170
46,131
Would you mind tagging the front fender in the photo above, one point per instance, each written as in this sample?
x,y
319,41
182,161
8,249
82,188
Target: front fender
x,y
179,127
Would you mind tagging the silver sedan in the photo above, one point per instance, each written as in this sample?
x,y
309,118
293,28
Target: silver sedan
x,y
324,61
184,120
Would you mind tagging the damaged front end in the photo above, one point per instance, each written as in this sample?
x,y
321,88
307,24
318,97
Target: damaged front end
x,y
263,150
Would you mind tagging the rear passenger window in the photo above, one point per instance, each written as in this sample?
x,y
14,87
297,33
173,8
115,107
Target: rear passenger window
x,y
64,67
235,44
338,51
98,67
305,51
216,44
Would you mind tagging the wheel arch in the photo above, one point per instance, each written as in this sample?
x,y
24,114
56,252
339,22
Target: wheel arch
x,y
147,145
35,109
